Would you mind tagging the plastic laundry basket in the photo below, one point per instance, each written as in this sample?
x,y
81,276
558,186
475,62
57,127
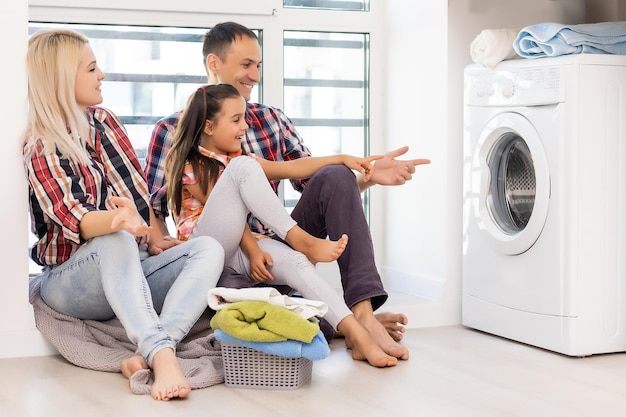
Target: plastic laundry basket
x,y
249,368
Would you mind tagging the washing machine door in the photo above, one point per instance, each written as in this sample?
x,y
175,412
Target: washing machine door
x,y
514,183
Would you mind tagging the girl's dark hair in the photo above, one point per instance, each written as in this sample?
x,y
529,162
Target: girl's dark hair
x,y
204,104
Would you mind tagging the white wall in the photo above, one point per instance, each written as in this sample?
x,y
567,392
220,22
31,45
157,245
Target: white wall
x,y
416,223
18,336
428,48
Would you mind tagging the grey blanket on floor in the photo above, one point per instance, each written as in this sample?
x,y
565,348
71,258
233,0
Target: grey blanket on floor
x,y
102,345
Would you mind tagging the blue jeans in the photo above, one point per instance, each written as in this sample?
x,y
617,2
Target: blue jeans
x,y
156,298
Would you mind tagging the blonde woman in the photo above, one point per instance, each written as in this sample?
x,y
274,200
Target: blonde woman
x,y
89,209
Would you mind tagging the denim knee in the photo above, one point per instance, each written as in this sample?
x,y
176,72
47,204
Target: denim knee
x,y
76,287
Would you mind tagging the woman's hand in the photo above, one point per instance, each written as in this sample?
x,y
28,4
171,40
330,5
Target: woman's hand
x,y
127,218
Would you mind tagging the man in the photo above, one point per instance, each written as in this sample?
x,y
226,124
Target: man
x,y
331,200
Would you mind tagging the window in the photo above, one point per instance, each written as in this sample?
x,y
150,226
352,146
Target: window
x,y
325,92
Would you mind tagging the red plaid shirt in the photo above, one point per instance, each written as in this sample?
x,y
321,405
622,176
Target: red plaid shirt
x,y
62,192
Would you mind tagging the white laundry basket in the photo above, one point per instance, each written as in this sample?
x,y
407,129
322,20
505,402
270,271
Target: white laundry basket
x,y
249,368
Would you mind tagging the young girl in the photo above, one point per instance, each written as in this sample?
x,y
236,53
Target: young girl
x,y
89,209
212,188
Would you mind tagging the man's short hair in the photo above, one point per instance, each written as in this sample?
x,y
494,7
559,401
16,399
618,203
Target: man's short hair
x,y
221,36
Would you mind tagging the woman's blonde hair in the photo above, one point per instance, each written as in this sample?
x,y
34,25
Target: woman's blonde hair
x,y
55,118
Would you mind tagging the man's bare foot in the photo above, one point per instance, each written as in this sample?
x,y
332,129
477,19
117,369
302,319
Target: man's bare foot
x,y
169,380
316,249
362,345
133,364
394,323
365,315
379,334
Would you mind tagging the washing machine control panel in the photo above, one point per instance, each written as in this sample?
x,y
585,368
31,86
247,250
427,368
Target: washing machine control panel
x,y
521,86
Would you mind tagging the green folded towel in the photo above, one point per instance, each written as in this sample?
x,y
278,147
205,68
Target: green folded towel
x,y
260,321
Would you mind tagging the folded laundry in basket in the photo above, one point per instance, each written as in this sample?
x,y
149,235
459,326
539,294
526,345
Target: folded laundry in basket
x,y
493,46
220,297
260,321
316,350
554,39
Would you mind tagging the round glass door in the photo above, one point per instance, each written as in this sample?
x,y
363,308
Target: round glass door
x,y
513,186
514,183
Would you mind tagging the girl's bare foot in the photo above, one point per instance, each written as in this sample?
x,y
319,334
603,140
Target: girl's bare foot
x,y
362,345
133,364
316,249
169,381
394,323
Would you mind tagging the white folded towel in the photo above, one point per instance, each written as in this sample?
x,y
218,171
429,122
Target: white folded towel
x,y
493,46
221,297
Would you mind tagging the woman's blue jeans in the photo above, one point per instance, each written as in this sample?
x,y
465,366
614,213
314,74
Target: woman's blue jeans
x,y
156,298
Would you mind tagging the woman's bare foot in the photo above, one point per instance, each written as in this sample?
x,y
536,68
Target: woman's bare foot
x,y
362,345
169,381
394,323
316,249
133,364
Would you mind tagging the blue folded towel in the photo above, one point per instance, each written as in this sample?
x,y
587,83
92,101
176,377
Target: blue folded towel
x,y
554,39
316,350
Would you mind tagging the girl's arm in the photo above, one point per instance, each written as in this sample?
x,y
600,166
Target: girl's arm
x,y
158,241
258,258
198,193
306,167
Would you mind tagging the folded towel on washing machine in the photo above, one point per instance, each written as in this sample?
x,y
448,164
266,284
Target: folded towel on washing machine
x,y
554,39
493,46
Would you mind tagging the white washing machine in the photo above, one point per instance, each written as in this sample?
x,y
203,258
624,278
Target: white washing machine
x,y
544,210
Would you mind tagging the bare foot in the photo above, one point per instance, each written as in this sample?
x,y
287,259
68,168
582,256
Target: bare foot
x,y
316,249
381,336
362,345
169,381
394,323
133,364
